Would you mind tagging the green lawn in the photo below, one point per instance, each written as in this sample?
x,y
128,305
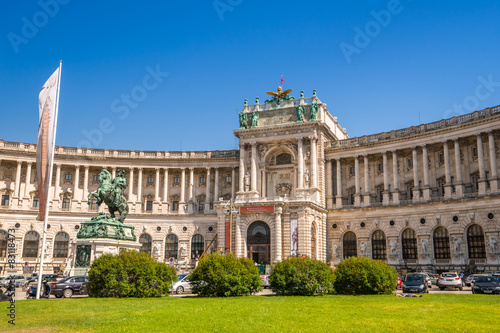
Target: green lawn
x,y
432,312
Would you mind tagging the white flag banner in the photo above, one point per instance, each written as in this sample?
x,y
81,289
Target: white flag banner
x,y
45,142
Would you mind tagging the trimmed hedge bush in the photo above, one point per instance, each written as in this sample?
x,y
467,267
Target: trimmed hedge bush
x,y
129,274
225,275
296,276
361,275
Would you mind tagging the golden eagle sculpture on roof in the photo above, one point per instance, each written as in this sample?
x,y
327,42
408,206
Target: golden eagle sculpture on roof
x,y
279,95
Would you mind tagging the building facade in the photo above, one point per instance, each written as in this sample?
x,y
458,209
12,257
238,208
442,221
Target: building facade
x,y
424,197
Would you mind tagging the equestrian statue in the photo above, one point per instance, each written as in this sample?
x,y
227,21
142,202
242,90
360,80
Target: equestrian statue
x,y
111,193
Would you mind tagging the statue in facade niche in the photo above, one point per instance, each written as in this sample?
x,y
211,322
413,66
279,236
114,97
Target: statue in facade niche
x,y
247,181
313,110
300,113
307,177
457,246
243,117
425,246
111,193
493,245
394,248
364,249
255,118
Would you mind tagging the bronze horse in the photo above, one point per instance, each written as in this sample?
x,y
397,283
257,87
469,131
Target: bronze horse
x,y
110,192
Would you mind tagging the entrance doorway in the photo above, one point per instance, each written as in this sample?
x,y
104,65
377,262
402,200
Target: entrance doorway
x,y
259,242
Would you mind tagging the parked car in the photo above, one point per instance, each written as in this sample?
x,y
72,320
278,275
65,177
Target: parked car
x,y
69,286
450,279
265,280
427,278
470,278
486,285
19,280
415,283
399,282
434,278
181,285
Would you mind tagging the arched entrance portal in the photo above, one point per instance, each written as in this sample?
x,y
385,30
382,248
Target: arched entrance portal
x,y
259,242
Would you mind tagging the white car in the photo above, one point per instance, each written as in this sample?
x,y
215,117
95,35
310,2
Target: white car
x,y
181,285
450,279
427,278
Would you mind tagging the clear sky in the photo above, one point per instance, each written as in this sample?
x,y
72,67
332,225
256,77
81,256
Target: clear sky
x,y
170,75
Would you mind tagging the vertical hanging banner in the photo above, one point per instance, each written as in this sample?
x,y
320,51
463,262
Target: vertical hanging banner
x,y
294,237
46,133
227,238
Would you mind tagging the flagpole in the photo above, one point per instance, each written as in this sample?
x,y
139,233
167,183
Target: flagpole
x,y
47,199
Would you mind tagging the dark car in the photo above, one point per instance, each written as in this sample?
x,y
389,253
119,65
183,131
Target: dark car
x,y
74,285
415,283
486,285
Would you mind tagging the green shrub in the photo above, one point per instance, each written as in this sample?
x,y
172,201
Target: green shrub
x,y
364,276
129,274
296,276
225,275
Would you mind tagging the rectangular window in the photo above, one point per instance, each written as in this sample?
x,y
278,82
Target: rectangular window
x,y
68,176
203,180
151,180
5,200
228,179
149,206
93,204
96,178
410,163
352,170
36,201
65,204
201,206
175,206
177,180
474,151
441,158
380,167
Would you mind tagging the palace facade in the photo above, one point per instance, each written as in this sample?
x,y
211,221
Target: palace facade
x,y
424,197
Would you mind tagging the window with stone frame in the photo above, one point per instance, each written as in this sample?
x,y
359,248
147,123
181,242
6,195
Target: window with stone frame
x,y
36,202
201,206
175,205
151,180
149,206
350,245
96,178
197,246
171,246
93,205
5,200
145,240
409,190
177,180
409,244
68,177
440,185
203,180
379,190
229,179
61,245
3,243
379,245
283,159
66,203
350,195
30,245
474,178
475,242
441,242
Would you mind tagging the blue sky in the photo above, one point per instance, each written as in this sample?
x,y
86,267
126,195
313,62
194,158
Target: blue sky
x,y
379,65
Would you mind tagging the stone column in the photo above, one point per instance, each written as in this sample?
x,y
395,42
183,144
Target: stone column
x,y
165,185
447,171
216,185
18,179
314,162
386,192
253,175
481,183
131,184
329,195
338,197
459,185
366,196
263,185
58,181
300,162
426,188
242,167
493,164
157,184
207,193
85,192
139,187
191,184
113,172
233,181
277,238
77,181
395,190
28,180
183,190
416,185
357,194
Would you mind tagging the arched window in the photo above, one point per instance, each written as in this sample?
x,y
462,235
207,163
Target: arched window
x,y
350,245
284,158
30,247
475,242
3,244
379,245
441,243
259,242
61,245
313,241
409,244
145,241
171,246
197,246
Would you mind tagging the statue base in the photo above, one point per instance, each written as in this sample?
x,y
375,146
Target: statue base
x,y
104,226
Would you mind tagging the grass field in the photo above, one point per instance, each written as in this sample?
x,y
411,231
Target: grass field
x,y
432,312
